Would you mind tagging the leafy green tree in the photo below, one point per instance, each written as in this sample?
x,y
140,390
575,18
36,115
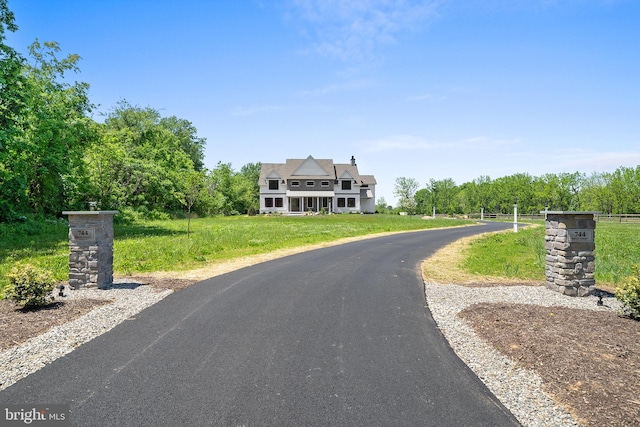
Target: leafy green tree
x,y
189,142
141,160
243,193
220,190
192,184
383,207
109,172
11,79
59,130
482,193
13,183
231,193
625,186
251,189
597,193
443,195
404,190
423,201
43,144
512,187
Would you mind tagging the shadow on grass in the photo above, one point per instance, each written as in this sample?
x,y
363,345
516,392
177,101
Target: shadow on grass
x,y
24,241
134,231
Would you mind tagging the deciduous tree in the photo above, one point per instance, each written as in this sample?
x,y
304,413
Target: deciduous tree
x,y
404,190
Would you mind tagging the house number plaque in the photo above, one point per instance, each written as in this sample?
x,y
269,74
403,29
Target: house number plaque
x,y
580,235
82,233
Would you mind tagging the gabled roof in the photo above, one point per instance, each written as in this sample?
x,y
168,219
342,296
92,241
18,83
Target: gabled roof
x,y
274,174
344,175
311,168
367,180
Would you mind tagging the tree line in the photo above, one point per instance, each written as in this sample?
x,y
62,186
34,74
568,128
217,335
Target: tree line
x,y
615,192
54,156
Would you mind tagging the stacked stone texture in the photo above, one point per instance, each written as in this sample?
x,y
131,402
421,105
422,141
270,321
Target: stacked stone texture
x,y
91,250
570,266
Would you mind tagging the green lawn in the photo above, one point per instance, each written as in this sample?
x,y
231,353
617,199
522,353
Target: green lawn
x,y
522,254
514,255
163,245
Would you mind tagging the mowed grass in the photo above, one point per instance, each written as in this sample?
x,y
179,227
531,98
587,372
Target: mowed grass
x,y
522,255
164,245
514,255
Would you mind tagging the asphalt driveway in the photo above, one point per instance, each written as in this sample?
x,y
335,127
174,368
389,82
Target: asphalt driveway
x,y
338,336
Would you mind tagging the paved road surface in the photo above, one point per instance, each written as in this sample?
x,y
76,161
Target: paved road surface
x,y
333,337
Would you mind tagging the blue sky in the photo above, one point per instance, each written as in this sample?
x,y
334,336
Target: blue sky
x,y
419,89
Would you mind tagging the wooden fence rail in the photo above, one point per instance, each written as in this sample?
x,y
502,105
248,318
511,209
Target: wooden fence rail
x,y
621,218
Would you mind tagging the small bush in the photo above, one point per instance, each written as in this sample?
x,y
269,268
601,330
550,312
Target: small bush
x,y
628,293
30,287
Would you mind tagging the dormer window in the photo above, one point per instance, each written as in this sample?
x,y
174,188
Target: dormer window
x,y
273,184
346,184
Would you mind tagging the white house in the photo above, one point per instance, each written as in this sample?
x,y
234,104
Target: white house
x,y
315,185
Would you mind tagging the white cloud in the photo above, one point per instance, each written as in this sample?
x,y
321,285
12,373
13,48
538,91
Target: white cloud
x,y
353,29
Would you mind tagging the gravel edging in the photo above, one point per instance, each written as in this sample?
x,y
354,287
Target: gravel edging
x,y
520,390
127,299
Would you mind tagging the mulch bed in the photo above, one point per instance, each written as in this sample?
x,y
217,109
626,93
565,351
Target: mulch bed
x,y
589,360
18,325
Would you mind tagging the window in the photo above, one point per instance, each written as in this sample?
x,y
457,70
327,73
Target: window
x,y
325,202
341,202
273,184
295,183
351,202
311,184
324,183
268,202
279,202
309,202
346,184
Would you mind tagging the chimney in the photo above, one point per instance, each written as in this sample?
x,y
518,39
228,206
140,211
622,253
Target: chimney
x,y
353,161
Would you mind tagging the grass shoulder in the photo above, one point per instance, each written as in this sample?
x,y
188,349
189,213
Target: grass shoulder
x,y
152,246
508,257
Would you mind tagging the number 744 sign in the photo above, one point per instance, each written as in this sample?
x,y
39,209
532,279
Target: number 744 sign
x,y
580,235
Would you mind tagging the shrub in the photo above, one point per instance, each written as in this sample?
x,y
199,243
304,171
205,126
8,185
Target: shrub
x,y
628,293
30,287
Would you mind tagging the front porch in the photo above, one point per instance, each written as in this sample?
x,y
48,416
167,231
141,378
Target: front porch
x,y
309,204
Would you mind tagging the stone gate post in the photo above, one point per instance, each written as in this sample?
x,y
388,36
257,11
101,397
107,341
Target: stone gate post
x,y
90,248
570,246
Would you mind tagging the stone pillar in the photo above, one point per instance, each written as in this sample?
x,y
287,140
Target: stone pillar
x,y
570,246
90,248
